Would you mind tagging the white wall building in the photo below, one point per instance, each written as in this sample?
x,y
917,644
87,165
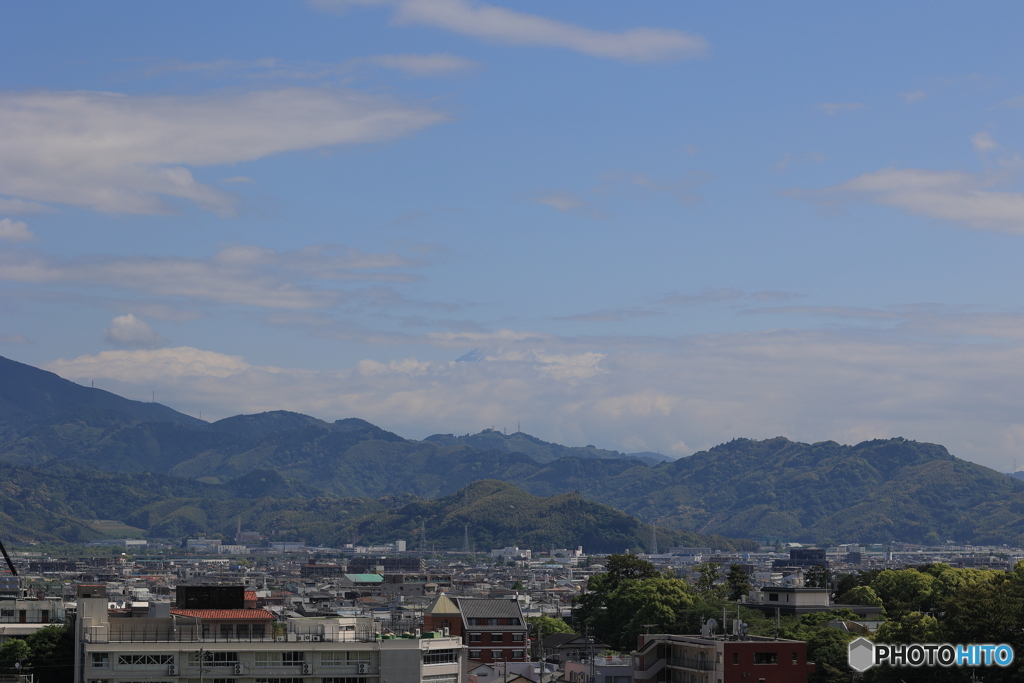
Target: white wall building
x,y
171,647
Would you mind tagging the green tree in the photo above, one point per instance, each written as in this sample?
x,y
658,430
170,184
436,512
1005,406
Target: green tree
x,y
909,627
817,577
906,590
707,574
630,567
518,585
53,654
737,582
860,595
548,626
13,652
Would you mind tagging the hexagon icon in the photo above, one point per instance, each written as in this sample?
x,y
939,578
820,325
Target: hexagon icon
x,y
861,655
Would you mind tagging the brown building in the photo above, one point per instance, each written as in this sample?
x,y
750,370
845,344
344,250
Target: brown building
x,y
494,630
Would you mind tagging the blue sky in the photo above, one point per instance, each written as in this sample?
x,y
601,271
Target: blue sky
x,y
654,226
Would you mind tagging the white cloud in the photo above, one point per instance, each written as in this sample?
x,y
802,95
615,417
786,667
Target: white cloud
x,y
13,338
127,330
422,65
831,108
20,206
120,153
501,25
14,231
954,196
983,142
697,391
275,69
566,202
237,274
911,96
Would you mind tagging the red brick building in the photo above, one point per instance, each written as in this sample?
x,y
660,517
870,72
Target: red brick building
x,y
493,630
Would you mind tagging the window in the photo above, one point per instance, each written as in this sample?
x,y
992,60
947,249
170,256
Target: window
x,y
280,658
796,658
227,631
100,659
347,658
443,678
495,654
143,661
496,637
7,613
280,680
514,621
766,658
474,654
258,631
242,631
474,637
439,657
517,654
344,679
773,597
214,658
517,637
735,657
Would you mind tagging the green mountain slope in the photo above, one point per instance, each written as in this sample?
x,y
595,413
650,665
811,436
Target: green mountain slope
x,y
877,490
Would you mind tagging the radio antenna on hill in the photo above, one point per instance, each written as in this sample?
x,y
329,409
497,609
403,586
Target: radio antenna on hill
x,y
466,529
654,540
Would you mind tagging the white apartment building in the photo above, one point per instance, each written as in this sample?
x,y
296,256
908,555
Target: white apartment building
x,y
210,645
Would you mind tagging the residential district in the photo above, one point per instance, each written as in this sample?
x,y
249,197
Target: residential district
x,y
283,613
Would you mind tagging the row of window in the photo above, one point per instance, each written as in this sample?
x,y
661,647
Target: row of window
x,y
496,654
237,631
336,658
495,637
490,621
439,657
766,658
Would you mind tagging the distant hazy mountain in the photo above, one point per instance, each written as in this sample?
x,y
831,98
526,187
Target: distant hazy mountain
x,y
29,396
878,490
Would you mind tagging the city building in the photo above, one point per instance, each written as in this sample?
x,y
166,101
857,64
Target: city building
x,y
200,637
720,659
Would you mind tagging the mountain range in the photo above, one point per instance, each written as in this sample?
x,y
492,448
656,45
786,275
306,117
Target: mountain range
x,y
184,475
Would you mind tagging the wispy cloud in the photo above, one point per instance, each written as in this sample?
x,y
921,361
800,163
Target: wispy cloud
x,y
610,315
566,202
14,231
911,96
13,338
435,64
788,160
501,25
954,196
126,154
238,274
20,206
831,108
684,189
983,142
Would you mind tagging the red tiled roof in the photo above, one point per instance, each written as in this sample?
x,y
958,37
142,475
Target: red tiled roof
x,y
226,614
250,595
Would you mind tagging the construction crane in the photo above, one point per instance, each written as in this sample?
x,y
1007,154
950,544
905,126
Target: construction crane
x,y
7,557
